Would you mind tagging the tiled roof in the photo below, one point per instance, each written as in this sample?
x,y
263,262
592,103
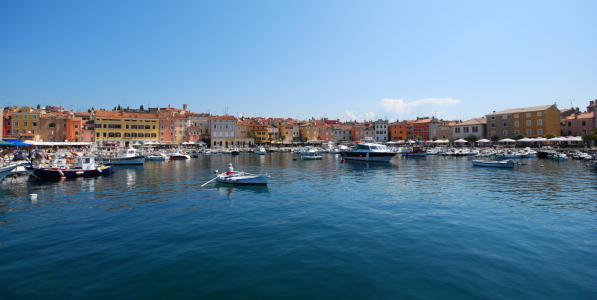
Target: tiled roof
x,y
521,110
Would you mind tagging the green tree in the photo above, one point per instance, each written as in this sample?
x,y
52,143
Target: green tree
x,y
471,138
520,136
434,138
550,136
418,138
141,108
495,138
589,138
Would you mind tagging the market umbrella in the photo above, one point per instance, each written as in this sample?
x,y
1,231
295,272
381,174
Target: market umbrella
x,y
483,141
506,141
5,143
460,141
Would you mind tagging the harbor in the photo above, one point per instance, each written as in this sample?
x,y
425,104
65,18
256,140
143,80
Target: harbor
x,y
350,229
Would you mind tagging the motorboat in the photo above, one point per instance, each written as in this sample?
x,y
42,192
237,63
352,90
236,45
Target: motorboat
x,y
177,155
528,153
81,166
508,154
260,151
235,151
157,156
558,156
494,163
416,152
123,157
310,153
242,178
369,152
7,169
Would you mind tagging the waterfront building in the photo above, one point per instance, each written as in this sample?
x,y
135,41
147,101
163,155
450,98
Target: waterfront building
x,y
421,127
119,128
242,138
25,122
397,131
444,130
198,129
529,121
6,123
578,123
381,130
308,132
223,130
289,131
87,131
475,126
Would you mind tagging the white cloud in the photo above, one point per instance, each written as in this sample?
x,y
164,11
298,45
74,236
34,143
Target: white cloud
x,y
351,115
370,116
402,107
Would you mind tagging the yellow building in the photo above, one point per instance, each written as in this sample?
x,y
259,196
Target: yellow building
x,y
116,128
308,132
530,122
25,122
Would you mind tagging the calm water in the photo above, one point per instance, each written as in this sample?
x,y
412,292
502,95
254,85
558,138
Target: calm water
x,y
434,228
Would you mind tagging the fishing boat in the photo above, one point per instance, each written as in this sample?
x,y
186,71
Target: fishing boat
x,y
415,152
7,169
123,157
82,166
494,163
242,178
369,152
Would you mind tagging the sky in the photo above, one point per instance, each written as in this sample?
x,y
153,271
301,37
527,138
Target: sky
x,y
346,60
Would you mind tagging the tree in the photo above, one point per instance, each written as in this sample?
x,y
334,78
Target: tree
x,y
418,138
495,138
434,138
589,138
119,108
38,106
471,138
520,136
141,108
550,136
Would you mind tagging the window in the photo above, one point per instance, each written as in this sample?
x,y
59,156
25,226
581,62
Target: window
x,y
528,122
505,133
34,124
539,131
516,132
505,124
505,117
516,124
539,114
569,124
16,124
583,123
540,122
492,125
493,117
516,116
51,125
25,123
529,132
528,114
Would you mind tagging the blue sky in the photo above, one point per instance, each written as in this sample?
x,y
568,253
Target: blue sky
x,y
342,60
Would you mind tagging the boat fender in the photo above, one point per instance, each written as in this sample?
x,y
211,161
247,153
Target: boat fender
x,y
60,172
98,169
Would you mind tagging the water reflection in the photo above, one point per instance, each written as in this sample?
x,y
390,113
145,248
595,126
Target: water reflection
x,y
229,190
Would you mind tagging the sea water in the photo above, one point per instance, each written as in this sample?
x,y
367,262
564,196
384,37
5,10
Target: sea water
x,y
414,228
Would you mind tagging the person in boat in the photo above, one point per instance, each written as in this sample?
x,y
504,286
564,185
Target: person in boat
x,y
230,170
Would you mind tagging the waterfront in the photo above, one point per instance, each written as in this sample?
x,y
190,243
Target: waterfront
x,y
414,228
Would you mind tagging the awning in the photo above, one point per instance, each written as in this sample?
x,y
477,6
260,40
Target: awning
x,y
5,143
17,142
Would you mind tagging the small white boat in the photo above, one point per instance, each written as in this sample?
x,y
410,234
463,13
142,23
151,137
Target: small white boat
x,y
158,156
494,163
123,157
178,155
7,169
310,153
260,151
242,178
235,151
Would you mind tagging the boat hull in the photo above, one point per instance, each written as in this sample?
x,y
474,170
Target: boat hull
x,y
74,172
243,180
494,164
368,156
7,170
134,160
